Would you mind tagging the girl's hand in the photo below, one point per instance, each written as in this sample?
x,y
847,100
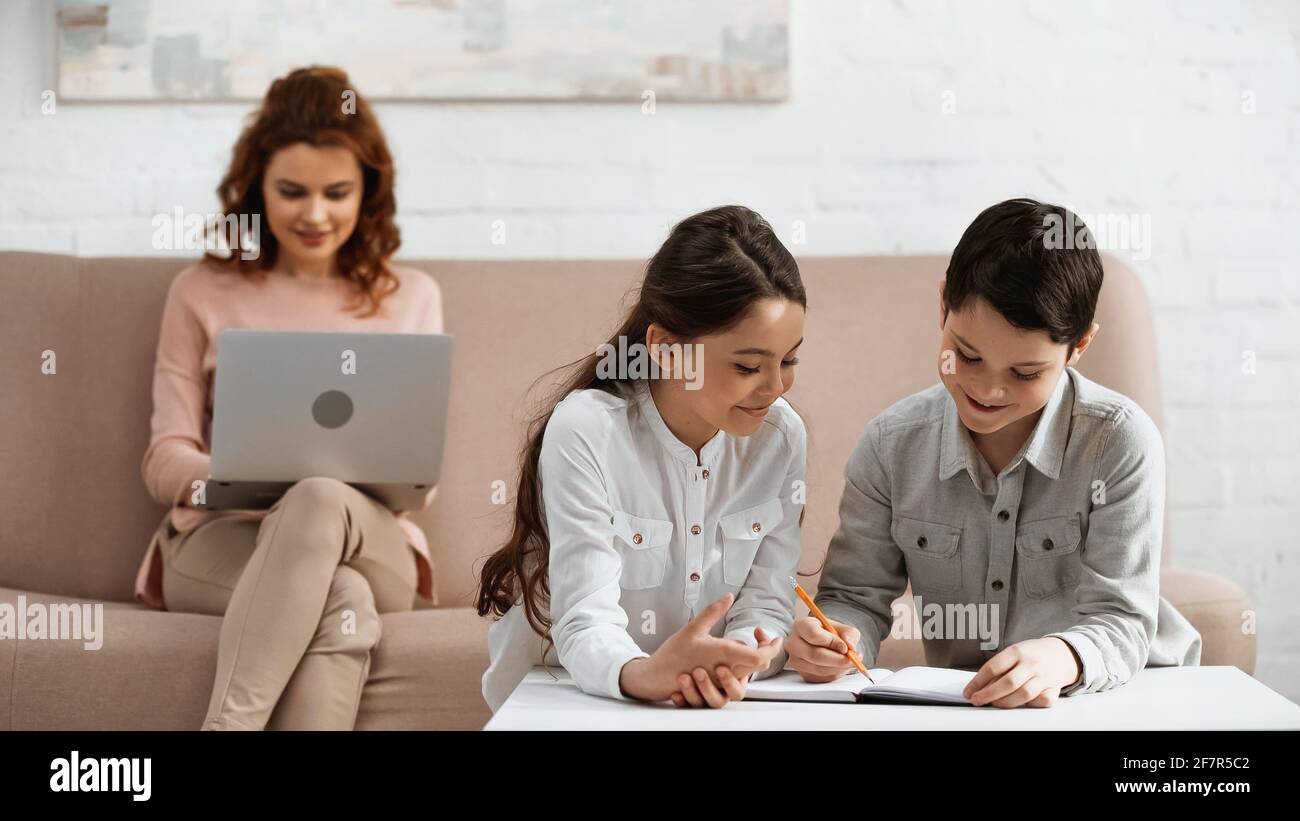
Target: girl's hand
x,y
1026,674
817,653
697,689
655,678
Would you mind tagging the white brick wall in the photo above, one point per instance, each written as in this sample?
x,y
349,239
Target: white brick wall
x,y
1102,106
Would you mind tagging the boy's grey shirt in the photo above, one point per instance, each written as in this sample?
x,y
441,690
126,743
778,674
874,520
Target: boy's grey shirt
x,y
1065,540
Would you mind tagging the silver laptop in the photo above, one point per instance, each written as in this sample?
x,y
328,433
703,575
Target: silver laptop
x,y
368,409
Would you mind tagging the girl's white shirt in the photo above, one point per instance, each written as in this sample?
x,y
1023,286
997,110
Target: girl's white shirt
x,y
643,536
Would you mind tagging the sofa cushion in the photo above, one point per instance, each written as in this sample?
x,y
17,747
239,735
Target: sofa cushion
x,y
154,671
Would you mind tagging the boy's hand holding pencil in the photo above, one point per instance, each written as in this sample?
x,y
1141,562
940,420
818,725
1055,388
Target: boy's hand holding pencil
x,y
820,649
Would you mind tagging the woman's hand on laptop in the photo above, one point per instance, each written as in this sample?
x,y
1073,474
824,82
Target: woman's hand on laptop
x,y
818,654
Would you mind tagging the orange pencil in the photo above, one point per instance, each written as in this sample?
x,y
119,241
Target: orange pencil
x,y
816,611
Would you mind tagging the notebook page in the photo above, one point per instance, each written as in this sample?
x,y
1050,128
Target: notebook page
x,y
788,685
932,683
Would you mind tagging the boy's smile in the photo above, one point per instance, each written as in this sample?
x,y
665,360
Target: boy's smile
x,y
989,408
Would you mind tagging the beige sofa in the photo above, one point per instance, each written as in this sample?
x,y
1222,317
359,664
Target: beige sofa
x,y
75,518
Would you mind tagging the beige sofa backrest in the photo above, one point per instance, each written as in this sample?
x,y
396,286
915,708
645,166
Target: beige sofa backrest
x,y
74,515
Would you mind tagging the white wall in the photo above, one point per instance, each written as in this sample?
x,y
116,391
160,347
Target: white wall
x,y
1107,107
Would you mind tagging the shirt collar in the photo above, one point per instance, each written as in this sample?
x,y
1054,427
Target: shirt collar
x,y
1045,448
708,454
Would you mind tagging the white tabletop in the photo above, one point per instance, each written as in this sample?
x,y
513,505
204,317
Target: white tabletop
x,y
1157,698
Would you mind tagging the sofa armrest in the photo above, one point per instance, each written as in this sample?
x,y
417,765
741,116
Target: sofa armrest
x,y
1218,609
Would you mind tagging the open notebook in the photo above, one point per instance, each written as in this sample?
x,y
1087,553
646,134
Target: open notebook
x,y
917,685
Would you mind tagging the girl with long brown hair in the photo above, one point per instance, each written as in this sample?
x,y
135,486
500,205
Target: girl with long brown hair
x,y
299,596
658,504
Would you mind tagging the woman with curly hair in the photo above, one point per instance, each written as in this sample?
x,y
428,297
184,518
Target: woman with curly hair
x,y
300,586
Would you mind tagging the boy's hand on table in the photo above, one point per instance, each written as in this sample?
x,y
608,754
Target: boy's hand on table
x,y
818,654
1027,674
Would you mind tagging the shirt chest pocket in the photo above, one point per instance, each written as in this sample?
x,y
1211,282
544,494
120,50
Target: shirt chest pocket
x,y
930,551
643,546
1048,554
742,533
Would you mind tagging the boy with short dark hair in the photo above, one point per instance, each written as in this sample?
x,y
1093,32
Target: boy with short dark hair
x,y
1016,487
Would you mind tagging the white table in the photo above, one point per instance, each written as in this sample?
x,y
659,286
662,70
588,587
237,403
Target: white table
x,y
1161,698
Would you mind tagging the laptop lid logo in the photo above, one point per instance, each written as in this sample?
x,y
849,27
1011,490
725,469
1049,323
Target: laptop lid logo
x,y
332,409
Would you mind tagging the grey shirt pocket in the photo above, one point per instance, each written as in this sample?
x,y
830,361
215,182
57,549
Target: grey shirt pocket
x,y
930,551
1047,552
